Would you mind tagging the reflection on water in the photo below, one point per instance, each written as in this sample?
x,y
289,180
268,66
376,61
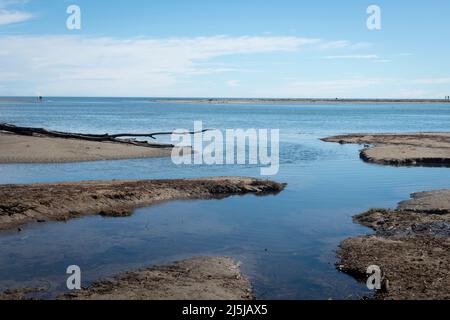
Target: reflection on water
x,y
286,243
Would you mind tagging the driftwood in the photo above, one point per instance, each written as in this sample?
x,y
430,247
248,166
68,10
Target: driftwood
x,y
30,131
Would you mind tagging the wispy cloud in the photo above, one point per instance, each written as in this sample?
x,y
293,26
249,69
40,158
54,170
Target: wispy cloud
x,y
365,87
141,66
233,83
354,57
432,81
100,66
336,86
10,16
335,44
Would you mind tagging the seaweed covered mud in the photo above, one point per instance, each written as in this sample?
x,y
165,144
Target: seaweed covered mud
x,y
198,278
22,204
411,246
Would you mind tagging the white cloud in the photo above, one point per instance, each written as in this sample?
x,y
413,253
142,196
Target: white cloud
x,y
335,45
354,56
93,66
337,87
233,83
432,81
10,17
75,65
364,87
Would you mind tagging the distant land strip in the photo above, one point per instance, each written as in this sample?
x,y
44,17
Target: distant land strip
x,y
288,101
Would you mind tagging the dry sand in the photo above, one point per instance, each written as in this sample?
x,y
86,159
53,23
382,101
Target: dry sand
x,y
411,245
412,149
21,204
32,149
199,278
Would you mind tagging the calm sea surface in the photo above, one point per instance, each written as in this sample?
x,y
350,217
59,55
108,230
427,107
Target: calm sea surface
x,y
286,243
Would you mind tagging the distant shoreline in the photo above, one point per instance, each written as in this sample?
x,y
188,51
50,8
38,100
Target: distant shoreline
x,y
306,101
239,100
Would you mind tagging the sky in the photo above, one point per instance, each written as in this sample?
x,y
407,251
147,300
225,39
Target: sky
x,y
225,48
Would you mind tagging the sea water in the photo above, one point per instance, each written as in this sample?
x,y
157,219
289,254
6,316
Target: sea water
x,y
286,243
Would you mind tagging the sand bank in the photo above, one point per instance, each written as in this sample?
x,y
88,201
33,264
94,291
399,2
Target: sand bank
x,y
21,204
411,245
32,149
412,149
200,278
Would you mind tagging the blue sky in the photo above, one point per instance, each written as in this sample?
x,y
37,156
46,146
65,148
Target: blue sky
x,y
232,48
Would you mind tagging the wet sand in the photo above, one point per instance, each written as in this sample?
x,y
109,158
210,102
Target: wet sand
x,y
411,245
412,149
33,149
199,278
22,204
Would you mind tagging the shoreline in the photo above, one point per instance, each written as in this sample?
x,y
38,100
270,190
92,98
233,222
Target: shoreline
x,y
401,149
411,245
35,149
37,203
299,100
32,100
198,278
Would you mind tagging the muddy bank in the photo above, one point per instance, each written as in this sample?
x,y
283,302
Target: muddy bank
x,y
204,278
415,149
21,204
411,245
34,149
200,278
19,294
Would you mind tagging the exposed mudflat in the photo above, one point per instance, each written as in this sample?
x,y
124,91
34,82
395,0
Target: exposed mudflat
x,y
411,245
201,278
21,204
415,149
